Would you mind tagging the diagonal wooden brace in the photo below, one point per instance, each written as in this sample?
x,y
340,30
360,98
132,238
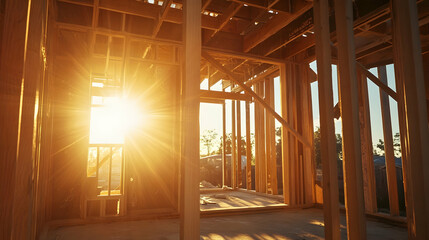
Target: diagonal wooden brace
x,y
247,89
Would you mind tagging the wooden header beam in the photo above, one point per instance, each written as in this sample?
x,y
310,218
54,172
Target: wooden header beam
x,y
247,89
205,94
260,77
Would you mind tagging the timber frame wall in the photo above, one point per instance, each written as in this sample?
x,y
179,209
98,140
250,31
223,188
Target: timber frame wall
x,y
51,49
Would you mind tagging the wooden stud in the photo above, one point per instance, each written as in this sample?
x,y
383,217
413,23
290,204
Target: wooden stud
x,y
248,149
239,178
190,191
247,89
257,142
284,137
368,172
352,161
21,92
331,212
270,138
412,107
224,166
267,137
388,146
307,130
293,158
233,147
262,156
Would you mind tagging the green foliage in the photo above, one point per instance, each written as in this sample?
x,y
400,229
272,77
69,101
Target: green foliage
x,y
207,139
379,147
317,147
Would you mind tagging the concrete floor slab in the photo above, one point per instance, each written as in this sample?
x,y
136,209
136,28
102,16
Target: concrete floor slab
x,y
281,225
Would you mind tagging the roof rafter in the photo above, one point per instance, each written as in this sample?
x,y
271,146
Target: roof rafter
x,y
160,18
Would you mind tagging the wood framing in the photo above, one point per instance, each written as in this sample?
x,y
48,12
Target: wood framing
x,y
239,179
217,95
284,137
388,146
368,174
224,166
248,149
254,95
352,161
412,102
190,192
233,145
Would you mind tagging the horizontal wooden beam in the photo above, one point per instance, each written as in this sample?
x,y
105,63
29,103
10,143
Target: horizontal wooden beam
x,y
148,10
248,90
206,94
259,78
245,56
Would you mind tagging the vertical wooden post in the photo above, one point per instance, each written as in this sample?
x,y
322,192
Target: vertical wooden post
x,y
262,160
239,178
190,192
368,171
224,169
274,182
293,158
412,104
284,137
331,212
267,137
307,130
388,146
248,149
21,92
233,148
353,189
257,143
270,138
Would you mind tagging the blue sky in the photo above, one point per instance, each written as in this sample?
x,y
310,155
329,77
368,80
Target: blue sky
x,y
211,114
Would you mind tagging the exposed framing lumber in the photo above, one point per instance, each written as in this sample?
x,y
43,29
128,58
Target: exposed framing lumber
x,y
206,3
368,173
261,77
412,107
270,138
217,95
248,149
377,81
284,137
233,146
224,166
190,162
257,111
232,9
259,115
274,25
307,130
292,141
261,14
239,179
161,16
244,56
353,189
247,89
388,146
